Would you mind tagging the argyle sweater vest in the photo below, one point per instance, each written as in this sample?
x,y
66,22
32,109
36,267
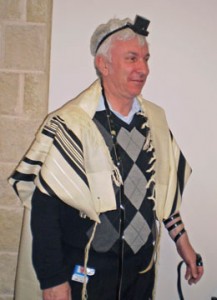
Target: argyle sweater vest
x,y
138,220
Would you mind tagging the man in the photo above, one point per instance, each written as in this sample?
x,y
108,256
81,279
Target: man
x,y
100,173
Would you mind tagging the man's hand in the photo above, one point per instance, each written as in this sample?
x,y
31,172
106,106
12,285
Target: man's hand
x,y
193,272
59,292
175,227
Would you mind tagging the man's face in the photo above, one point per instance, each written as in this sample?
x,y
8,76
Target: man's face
x,y
128,69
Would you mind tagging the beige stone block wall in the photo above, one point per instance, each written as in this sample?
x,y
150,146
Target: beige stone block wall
x,y
25,30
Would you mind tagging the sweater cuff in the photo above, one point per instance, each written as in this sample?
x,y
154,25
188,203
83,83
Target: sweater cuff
x,y
50,282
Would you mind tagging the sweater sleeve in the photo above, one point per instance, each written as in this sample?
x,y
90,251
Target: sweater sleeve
x,y
47,254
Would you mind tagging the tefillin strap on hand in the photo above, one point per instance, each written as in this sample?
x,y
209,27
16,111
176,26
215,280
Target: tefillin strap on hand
x,y
198,262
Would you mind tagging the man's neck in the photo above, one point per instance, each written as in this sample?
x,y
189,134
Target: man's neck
x,y
122,106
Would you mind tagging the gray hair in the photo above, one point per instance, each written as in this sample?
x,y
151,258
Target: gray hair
x,y
103,30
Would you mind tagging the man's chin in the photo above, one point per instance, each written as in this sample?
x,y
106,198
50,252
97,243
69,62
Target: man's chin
x,y
137,90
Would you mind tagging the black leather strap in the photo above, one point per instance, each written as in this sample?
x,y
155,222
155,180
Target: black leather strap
x,y
179,235
173,217
179,285
174,225
199,263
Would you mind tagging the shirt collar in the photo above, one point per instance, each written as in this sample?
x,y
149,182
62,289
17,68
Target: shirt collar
x,y
127,119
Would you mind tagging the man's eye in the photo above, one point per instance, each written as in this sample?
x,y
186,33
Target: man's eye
x,y
131,58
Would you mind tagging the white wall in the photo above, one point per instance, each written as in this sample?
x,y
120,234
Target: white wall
x,y
183,45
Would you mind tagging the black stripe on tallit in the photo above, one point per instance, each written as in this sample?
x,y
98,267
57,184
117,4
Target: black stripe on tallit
x,y
59,128
67,154
17,176
73,138
50,129
177,187
181,169
180,177
58,123
48,133
47,187
23,177
65,136
15,187
181,172
32,162
173,210
72,163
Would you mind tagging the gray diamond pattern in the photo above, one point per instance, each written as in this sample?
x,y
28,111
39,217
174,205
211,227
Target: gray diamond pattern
x,y
137,232
105,236
132,142
135,186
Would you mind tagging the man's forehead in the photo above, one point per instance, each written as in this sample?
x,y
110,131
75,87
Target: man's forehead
x,y
132,45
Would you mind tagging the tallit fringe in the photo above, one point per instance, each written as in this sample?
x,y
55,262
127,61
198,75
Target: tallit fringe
x,y
151,148
151,168
144,125
84,295
157,261
148,147
116,176
152,180
147,142
151,198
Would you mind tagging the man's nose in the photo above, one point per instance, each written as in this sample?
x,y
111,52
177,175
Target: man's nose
x,y
143,67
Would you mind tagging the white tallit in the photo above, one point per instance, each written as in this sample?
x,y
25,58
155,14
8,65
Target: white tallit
x,y
69,159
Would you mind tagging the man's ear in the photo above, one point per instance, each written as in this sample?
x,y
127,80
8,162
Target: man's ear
x,y
102,65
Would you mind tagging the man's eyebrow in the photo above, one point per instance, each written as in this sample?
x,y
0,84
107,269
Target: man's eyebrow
x,y
136,53
131,52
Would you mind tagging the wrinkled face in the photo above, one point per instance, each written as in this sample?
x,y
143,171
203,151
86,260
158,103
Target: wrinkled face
x,y
126,72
